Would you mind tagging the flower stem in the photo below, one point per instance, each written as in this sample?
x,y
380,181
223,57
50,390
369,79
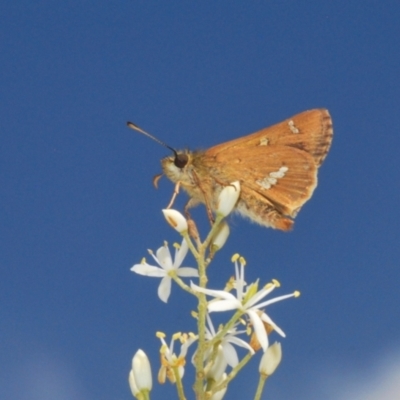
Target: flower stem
x,y
201,325
260,386
179,386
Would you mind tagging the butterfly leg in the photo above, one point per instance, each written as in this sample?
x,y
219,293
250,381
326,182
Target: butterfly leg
x,y
176,192
206,200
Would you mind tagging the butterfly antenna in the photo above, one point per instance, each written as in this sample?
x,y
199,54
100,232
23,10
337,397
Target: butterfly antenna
x,y
136,128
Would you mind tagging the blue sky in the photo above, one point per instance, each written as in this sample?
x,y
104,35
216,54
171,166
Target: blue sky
x,y
78,208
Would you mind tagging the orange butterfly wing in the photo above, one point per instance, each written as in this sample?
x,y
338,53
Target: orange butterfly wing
x,y
277,166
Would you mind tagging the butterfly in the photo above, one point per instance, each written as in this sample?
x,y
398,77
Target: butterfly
x,y
276,166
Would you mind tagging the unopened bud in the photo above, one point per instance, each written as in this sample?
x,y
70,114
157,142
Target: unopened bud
x,y
271,359
228,198
221,236
142,371
132,384
221,393
218,367
176,220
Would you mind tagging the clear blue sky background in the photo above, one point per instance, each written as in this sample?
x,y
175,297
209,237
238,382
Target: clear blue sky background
x,y
78,209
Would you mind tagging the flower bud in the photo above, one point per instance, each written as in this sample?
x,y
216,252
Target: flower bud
x,y
142,371
271,359
221,393
176,220
228,198
132,384
218,368
221,236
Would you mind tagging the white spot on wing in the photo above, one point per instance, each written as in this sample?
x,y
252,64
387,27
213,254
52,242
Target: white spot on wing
x,y
292,127
272,178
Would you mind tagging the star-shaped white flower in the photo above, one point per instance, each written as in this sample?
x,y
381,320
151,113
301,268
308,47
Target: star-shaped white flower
x,y
227,342
168,268
248,301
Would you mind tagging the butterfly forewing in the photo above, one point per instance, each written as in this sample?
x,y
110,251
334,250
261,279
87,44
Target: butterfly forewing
x,y
277,166
310,131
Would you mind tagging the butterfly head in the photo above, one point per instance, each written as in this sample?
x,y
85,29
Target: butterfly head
x,y
175,167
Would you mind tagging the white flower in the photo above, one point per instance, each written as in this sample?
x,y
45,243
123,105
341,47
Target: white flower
x,y
228,198
227,343
169,360
176,220
168,268
247,301
271,359
142,371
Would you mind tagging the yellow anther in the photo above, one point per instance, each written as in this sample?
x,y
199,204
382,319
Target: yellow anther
x,y
183,338
160,335
143,261
296,293
242,261
176,246
176,335
235,257
276,282
150,251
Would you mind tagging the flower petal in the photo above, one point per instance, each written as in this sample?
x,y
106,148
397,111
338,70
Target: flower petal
x,y
240,342
269,321
148,270
164,257
219,294
223,305
180,254
259,329
230,354
164,289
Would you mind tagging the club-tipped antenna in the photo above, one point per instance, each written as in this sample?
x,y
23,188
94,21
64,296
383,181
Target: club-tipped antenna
x,y
138,129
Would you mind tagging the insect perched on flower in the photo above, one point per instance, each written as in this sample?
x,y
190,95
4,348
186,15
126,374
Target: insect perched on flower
x,y
277,168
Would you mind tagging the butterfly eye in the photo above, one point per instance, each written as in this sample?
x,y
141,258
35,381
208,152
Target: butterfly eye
x,y
180,160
